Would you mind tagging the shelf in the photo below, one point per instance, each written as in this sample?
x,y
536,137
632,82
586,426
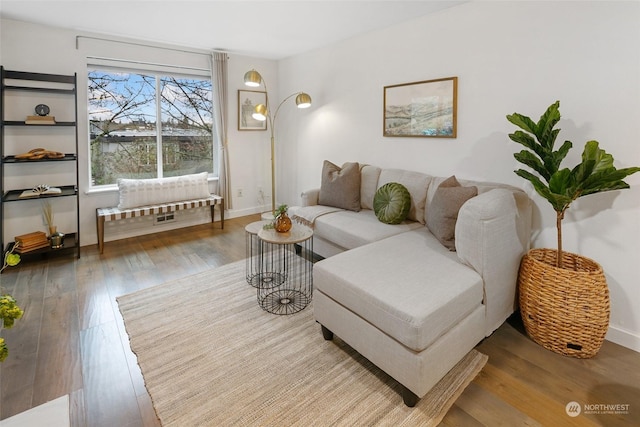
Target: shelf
x,y
70,242
14,195
66,158
42,89
28,86
39,77
22,123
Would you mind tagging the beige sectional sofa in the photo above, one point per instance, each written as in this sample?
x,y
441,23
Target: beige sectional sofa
x,y
395,292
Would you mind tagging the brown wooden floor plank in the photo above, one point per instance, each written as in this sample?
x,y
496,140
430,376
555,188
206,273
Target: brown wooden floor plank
x,y
16,382
108,392
58,370
76,409
149,417
94,300
526,399
457,417
482,406
565,377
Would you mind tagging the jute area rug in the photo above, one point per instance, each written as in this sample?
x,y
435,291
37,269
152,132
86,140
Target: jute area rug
x,y
210,356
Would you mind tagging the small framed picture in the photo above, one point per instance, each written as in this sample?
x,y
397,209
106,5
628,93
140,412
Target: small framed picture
x,y
247,101
425,109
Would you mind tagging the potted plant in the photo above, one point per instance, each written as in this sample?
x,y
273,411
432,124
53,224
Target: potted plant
x,y
281,221
564,298
9,309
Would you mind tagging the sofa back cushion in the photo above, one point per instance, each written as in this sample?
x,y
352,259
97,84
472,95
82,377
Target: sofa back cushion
x,y
417,184
340,186
368,185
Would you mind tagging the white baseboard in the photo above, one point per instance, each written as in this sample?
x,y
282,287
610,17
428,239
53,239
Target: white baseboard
x,y
236,213
623,337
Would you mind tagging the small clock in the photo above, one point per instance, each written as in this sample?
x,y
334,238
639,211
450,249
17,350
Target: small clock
x,y
42,109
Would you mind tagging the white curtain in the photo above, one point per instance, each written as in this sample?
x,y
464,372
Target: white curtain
x,y
219,79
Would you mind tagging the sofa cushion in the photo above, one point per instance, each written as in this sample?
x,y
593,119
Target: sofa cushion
x,y
391,203
135,193
443,210
348,229
408,285
417,184
340,186
368,185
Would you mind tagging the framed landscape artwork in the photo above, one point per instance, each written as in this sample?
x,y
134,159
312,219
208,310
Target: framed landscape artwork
x,y
247,101
426,109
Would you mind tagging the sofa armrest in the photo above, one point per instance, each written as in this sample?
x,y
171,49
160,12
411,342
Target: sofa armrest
x,y
310,197
492,234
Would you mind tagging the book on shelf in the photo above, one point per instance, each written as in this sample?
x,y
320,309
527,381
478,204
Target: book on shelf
x,y
31,241
29,237
27,194
40,120
23,249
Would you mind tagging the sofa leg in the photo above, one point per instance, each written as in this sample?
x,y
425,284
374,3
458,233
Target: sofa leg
x,y
326,333
409,398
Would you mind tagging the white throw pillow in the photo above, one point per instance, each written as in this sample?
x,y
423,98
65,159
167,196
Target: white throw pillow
x,y
147,192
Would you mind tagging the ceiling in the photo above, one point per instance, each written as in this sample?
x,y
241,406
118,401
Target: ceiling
x,y
264,29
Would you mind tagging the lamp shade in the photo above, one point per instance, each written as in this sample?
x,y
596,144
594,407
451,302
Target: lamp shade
x,y
252,78
303,100
260,112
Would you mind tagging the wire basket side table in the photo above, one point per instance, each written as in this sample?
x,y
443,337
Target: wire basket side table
x,y
285,284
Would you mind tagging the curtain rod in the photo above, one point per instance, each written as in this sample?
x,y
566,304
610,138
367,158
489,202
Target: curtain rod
x,y
78,37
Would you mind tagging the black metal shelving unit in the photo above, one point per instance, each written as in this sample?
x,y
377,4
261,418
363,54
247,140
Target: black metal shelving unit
x,y
58,84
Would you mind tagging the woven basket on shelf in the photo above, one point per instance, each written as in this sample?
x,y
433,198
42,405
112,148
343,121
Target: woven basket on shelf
x,y
565,310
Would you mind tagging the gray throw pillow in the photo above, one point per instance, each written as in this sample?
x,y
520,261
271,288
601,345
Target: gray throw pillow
x,y
340,186
442,212
391,203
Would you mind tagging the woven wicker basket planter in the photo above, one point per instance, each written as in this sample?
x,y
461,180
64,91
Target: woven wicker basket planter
x,y
565,310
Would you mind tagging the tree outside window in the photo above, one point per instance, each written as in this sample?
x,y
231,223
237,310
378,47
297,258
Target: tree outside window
x,y
148,126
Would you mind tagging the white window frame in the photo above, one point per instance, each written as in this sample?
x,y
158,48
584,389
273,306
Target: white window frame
x,y
103,64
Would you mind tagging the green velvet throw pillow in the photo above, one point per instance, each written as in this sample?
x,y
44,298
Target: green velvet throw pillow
x,y
391,203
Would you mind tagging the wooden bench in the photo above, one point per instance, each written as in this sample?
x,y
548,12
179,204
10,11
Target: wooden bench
x,y
113,214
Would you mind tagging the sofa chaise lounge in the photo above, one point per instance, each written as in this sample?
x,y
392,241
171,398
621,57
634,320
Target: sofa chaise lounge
x,y
414,297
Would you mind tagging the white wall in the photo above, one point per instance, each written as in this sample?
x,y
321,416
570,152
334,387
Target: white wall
x,y
509,57
36,48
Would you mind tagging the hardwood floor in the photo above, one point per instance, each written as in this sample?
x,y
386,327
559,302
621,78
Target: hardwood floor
x,y
72,340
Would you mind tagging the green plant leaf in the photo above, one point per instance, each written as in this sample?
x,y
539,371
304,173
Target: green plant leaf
x,y
545,128
558,156
529,159
560,182
558,202
523,122
528,141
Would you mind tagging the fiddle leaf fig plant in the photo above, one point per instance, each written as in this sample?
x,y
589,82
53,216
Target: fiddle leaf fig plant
x,y
594,174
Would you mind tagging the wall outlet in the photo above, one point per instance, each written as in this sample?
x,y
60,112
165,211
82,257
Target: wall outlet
x,y
240,192
260,196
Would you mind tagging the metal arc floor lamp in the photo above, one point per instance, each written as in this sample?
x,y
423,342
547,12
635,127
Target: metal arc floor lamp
x,y
263,112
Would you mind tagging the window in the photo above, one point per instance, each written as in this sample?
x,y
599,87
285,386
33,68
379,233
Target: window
x,y
146,125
